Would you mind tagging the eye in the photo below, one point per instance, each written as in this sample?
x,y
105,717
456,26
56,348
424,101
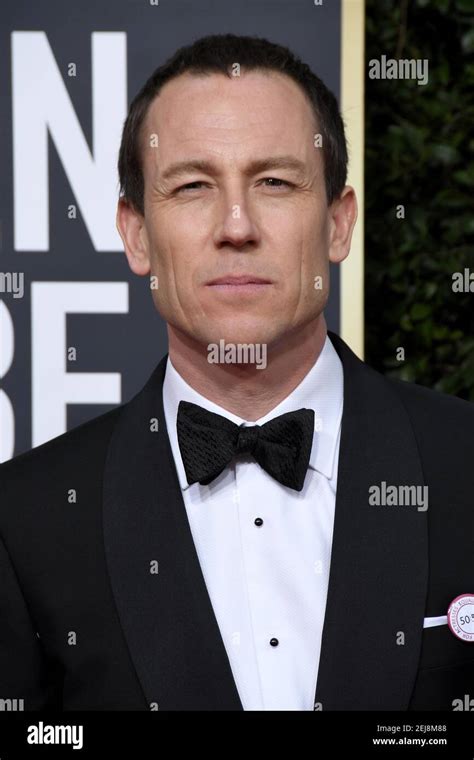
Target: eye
x,y
276,182
190,186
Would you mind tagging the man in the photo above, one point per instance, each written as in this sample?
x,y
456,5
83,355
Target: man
x,y
268,523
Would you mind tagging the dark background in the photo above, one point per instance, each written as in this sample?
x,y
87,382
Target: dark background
x,y
115,342
420,153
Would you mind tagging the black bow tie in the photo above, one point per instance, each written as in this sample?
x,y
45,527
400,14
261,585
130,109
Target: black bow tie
x,y
208,442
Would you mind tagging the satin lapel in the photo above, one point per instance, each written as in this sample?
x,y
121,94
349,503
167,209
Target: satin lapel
x,y
161,596
379,563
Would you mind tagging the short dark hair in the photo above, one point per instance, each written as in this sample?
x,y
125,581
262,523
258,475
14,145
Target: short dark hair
x,y
217,54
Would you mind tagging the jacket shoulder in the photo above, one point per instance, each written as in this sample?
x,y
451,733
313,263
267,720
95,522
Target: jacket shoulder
x,y
83,444
443,427
433,408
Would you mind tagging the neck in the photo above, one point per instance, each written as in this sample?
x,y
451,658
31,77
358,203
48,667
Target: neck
x,y
243,389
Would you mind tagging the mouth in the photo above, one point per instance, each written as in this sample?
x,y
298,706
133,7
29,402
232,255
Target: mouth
x,y
239,283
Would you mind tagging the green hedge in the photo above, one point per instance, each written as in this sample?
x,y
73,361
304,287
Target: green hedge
x,y
420,154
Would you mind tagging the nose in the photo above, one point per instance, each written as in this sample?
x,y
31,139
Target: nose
x,y
236,226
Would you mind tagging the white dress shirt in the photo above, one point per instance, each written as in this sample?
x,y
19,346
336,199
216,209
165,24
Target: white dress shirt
x,y
268,582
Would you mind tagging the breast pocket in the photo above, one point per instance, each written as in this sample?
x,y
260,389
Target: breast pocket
x,y
441,648
445,677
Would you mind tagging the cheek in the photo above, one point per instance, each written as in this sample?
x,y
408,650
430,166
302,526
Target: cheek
x,y
179,272
314,248
303,253
300,226
169,249
306,271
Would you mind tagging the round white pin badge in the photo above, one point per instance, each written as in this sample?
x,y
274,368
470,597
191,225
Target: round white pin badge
x,y
461,617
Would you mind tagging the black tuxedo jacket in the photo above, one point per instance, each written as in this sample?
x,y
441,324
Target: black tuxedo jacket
x,y
84,624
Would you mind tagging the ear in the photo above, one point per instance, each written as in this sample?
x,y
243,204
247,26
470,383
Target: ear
x,y
343,216
131,227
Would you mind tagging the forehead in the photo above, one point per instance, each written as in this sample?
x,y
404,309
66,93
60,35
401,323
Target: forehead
x,y
233,114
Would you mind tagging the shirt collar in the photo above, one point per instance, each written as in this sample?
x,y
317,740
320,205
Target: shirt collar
x,y
321,389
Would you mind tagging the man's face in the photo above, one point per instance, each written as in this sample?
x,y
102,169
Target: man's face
x,y
235,187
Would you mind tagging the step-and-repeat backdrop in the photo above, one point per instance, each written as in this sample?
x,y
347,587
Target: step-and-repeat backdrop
x,y
71,312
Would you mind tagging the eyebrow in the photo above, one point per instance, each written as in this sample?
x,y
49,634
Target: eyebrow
x,y
181,168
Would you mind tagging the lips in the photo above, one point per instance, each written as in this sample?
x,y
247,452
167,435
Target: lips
x,y
242,279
